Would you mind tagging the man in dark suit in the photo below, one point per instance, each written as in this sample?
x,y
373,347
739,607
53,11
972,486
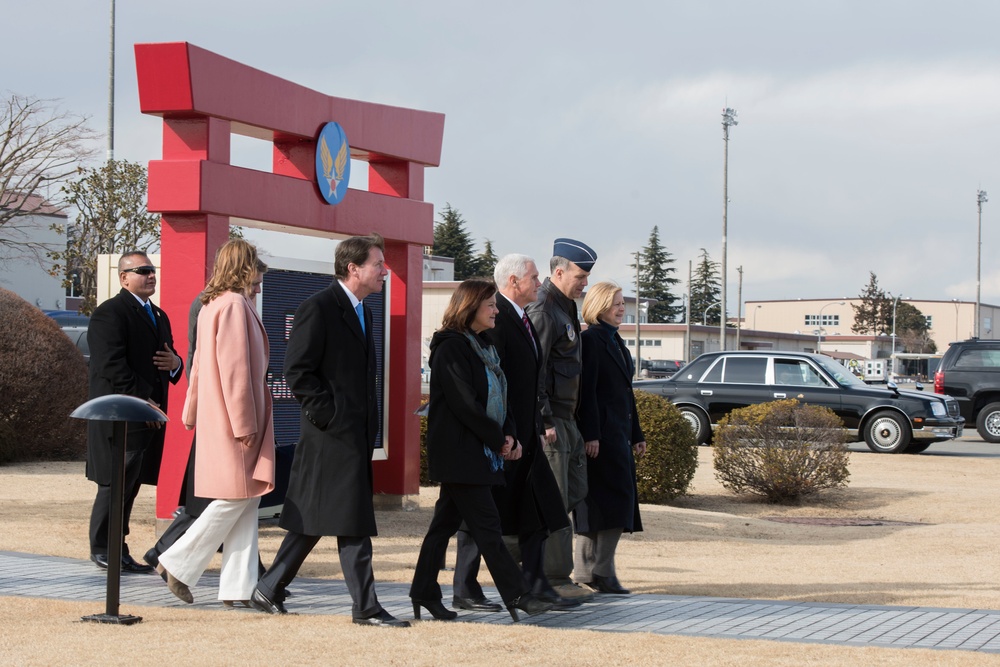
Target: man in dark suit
x,y
330,367
530,503
131,352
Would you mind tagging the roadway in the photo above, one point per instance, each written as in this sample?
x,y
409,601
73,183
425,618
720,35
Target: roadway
x,y
969,444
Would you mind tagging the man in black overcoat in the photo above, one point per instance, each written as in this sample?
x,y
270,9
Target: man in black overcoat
x,y
131,352
530,503
330,368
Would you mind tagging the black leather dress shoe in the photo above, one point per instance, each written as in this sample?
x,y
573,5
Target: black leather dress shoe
x,y
529,604
260,601
101,560
558,603
152,558
475,604
609,585
129,564
382,619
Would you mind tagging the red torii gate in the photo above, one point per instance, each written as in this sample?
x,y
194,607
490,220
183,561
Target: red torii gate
x,y
203,98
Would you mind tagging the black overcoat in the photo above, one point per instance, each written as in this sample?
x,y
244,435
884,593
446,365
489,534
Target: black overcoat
x,y
330,368
122,342
530,499
608,414
457,423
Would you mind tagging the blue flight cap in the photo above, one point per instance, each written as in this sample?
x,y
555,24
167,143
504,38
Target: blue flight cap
x,y
577,252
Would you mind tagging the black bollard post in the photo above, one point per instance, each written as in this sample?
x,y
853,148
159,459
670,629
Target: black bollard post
x,y
120,409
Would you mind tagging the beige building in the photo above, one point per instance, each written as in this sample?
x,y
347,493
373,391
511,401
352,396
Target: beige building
x,y
830,322
656,341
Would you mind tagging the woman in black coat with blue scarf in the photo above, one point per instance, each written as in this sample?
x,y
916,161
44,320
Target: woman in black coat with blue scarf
x,y
609,424
469,434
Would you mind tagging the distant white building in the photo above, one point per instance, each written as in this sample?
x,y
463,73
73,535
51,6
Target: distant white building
x,y
437,269
829,321
25,274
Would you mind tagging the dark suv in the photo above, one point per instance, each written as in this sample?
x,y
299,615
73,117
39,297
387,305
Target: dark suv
x,y
970,372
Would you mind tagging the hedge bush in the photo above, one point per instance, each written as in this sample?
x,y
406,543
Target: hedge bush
x,y
671,459
43,378
781,450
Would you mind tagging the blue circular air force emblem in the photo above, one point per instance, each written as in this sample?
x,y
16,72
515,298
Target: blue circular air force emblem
x,y
333,163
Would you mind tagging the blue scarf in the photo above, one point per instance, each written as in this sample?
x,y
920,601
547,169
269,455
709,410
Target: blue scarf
x,y
496,401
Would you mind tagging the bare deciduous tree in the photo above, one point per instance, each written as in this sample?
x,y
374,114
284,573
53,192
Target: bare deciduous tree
x,y
40,147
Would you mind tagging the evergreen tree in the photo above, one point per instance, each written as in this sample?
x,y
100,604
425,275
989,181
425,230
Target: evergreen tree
x,y
912,332
452,240
656,280
706,290
486,261
112,218
873,315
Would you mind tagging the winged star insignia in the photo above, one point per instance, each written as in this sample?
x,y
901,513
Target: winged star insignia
x,y
332,171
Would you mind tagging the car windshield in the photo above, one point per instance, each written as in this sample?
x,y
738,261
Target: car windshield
x,y
839,372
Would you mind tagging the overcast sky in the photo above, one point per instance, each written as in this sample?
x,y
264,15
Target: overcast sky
x,y
865,127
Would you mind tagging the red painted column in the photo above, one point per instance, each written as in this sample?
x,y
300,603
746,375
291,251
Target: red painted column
x,y
192,241
400,473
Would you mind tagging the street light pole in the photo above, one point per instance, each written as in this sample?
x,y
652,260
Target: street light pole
x,y
955,301
819,324
111,89
687,319
704,315
892,355
728,120
739,306
980,200
638,341
758,307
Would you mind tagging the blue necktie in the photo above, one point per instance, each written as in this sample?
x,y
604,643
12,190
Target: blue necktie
x,y
360,310
149,311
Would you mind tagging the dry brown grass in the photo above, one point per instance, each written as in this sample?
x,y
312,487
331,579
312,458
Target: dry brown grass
x,y
708,543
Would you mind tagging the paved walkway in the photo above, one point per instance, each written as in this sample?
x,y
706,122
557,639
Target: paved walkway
x,y
29,575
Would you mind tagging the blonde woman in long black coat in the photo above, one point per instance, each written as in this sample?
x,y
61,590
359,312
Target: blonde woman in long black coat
x,y
610,427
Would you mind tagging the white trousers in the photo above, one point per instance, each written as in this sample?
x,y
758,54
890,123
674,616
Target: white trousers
x,y
232,523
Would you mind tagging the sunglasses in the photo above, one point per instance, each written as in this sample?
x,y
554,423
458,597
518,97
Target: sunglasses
x,y
141,270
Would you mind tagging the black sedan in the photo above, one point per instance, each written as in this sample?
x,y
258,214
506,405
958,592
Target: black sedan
x,y
889,420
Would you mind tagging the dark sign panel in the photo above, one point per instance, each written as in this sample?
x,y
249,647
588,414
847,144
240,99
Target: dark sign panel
x,y
281,294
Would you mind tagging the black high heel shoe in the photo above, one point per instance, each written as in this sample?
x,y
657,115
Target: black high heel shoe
x,y
529,604
437,610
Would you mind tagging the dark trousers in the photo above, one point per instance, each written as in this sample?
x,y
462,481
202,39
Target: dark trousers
x,y
473,504
532,554
355,561
100,515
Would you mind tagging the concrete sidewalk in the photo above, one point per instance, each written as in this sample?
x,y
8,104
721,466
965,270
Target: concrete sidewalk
x,y
29,575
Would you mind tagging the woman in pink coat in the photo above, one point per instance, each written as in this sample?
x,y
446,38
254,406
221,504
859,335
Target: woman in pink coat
x,y
230,404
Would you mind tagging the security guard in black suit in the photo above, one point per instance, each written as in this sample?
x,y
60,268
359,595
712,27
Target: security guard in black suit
x,y
132,353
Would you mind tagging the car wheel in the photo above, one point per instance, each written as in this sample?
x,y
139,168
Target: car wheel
x,y
887,433
699,424
988,423
917,447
